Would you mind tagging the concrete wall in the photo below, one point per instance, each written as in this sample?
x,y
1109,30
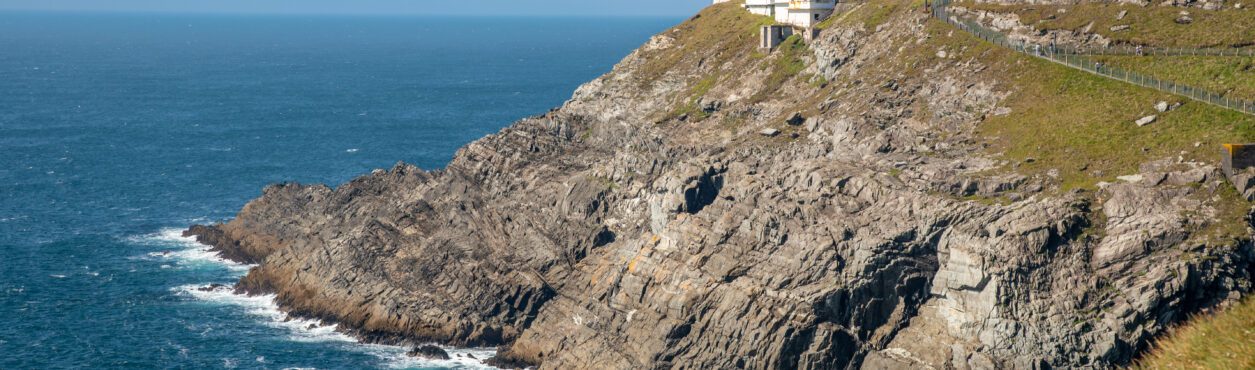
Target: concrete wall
x,y
761,7
1237,157
782,12
803,14
771,36
1238,161
806,19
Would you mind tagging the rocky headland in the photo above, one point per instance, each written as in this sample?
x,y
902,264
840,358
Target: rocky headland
x,y
916,206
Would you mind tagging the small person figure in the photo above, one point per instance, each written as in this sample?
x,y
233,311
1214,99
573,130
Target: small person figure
x,y
1139,50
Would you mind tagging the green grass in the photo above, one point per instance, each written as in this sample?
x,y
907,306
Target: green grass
x,y
1153,25
880,12
1081,125
690,108
718,33
1230,76
1225,340
791,59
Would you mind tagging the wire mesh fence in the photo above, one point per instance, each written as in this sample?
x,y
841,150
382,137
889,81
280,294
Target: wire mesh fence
x,y
1166,52
1079,59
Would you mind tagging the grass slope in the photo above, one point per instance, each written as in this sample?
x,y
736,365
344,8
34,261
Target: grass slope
x,y
1221,341
1069,125
1229,76
1151,25
1081,125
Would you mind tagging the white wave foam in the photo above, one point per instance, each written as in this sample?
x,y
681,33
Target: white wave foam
x,y
184,251
458,358
264,307
305,330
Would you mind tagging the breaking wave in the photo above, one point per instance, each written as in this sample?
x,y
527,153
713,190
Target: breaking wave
x,y
309,330
176,251
184,252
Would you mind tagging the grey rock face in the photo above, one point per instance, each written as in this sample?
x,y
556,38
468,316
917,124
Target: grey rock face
x,y
597,237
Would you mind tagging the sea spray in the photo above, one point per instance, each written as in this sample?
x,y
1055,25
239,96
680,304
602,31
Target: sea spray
x,y
311,330
186,252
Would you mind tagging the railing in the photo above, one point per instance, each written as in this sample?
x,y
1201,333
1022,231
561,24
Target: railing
x,y
1078,58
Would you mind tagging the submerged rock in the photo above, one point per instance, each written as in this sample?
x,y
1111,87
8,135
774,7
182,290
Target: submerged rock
x,y
211,287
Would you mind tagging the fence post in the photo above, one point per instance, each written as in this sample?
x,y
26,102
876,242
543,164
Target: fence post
x,y
1075,57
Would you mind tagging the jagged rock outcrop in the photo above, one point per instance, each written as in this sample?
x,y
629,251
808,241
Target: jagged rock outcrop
x,y
609,234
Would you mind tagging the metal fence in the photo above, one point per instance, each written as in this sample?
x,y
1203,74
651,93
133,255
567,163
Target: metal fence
x,y
1075,58
1167,52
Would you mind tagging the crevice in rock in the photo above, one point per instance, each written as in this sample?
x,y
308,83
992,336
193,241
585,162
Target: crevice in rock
x,y
704,192
797,343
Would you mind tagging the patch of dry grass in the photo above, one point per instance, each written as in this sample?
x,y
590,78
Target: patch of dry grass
x,y
1233,77
1151,25
1225,340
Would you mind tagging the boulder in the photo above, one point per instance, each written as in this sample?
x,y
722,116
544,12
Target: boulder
x,y
796,120
429,352
769,132
1130,178
1146,120
1162,107
1244,181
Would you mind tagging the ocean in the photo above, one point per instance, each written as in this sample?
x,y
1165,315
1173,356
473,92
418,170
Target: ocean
x,y
117,131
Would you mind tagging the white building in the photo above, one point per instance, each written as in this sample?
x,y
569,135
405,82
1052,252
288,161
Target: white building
x,y
798,13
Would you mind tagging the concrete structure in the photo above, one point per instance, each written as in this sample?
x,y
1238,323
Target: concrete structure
x,y
1237,157
798,13
1238,163
772,36
761,7
807,14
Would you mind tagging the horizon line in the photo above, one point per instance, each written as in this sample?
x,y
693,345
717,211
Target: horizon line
x,y
333,14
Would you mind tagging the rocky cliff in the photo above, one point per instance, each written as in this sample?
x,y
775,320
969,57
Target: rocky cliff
x,y
894,219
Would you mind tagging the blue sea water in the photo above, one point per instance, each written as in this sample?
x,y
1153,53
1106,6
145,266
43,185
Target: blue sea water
x,y
119,130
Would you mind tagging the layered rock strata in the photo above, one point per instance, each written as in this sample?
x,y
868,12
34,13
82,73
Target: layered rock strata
x,y
646,224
